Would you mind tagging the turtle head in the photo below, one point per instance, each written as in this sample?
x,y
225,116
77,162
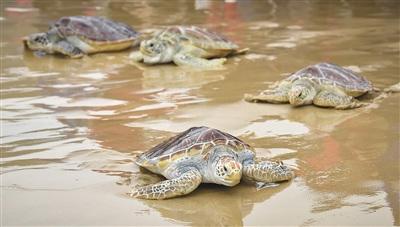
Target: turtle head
x,y
156,51
228,171
37,41
301,93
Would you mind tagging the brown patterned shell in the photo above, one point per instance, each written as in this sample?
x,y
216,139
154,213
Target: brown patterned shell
x,y
194,141
94,28
197,36
331,74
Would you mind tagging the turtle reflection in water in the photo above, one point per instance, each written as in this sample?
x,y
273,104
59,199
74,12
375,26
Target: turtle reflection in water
x,y
222,207
204,155
77,36
323,84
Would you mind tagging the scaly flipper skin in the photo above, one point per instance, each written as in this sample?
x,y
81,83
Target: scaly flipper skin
x,y
68,49
277,95
267,172
337,100
182,185
269,96
183,59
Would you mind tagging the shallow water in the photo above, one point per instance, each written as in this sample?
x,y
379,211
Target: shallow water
x,y
70,129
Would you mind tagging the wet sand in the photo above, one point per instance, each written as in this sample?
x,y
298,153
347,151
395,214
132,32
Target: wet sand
x,y
70,129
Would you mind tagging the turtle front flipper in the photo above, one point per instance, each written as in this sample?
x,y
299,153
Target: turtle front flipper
x,y
269,96
182,185
68,49
136,56
337,100
185,59
267,172
277,94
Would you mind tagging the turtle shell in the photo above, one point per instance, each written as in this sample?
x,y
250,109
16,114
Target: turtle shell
x,y
199,37
194,141
333,75
96,29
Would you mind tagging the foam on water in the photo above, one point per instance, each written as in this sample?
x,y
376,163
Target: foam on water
x,y
21,10
273,128
154,106
282,45
94,75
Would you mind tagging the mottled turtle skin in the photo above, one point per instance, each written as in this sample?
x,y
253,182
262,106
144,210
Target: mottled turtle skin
x,y
204,155
322,84
187,46
77,36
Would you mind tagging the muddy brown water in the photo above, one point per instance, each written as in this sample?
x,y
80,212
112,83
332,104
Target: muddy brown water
x,y
70,129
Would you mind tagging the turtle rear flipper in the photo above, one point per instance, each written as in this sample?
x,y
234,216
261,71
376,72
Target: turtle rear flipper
x,y
182,185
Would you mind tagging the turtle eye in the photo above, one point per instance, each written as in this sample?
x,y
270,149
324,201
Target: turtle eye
x,y
151,45
299,95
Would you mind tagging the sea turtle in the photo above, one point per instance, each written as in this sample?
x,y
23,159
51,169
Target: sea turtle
x,y
204,155
322,84
76,36
188,46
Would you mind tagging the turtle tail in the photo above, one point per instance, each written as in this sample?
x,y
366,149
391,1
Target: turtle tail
x,y
241,51
141,160
375,89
